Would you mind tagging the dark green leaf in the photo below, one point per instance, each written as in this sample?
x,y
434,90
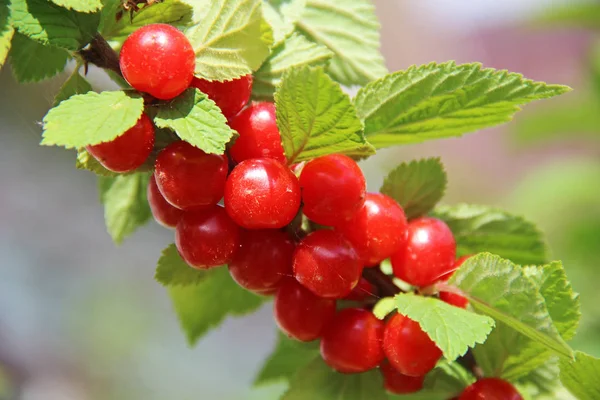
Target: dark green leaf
x,y
417,186
6,31
75,84
447,380
173,271
86,6
34,62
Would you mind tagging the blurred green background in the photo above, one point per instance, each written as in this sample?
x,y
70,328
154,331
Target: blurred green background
x,y
82,319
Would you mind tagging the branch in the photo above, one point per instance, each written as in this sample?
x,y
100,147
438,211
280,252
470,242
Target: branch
x,y
101,54
381,281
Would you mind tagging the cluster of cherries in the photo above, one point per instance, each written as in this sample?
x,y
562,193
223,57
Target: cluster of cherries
x,y
257,232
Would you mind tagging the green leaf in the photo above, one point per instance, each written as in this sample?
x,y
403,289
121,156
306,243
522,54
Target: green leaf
x,y
437,101
581,377
481,228
197,120
86,161
316,118
282,16
125,205
34,62
286,359
172,12
231,38
498,288
350,29
6,31
91,118
453,329
295,51
447,380
317,381
383,307
564,307
173,271
53,25
75,84
417,186
86,6
205,305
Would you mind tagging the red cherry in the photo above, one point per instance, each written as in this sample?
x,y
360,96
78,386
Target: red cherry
x,y
490,389
158,59
325,263
230,96
207,238
333,189
363,290
262,193
163,212
397,383
188,177
299,313
128,151
259,135
263,259
428,254
408,348
377,230
351,342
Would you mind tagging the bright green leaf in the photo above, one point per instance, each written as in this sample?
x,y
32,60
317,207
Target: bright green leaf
x,y
447,380
197,120
286,359
173,271
384,306
91,118
316,118
34,62
86,6
6,31
564,308
172,12
452,328
582,376
75,84
317,381
417,186
50,24
205,305
125,205
231,38
437,101
282,16
350,29
481,228
86,161
498,288
295,51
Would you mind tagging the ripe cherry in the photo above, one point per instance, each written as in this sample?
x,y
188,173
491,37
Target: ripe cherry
x,y
333,189
188,177
163,212
207,238
377,230
259,135
408,348
428,254
397,383
128,151
351,342
454,298
263,259
490,389
325,263
363,290
299,313
230,96
262,193
158,59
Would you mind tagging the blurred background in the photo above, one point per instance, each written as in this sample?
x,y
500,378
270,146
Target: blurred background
x,y
82,319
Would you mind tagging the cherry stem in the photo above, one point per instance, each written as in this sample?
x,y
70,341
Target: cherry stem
x,y
384,284
469,363
101,54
